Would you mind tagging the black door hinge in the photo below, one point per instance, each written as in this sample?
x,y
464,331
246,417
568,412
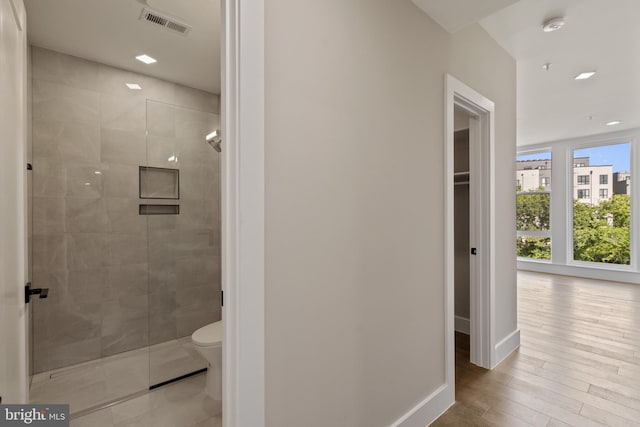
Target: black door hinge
x,y
222,298
28,291
473,251
29,167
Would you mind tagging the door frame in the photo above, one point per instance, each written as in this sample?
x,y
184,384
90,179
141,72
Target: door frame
x,y
243,212
482,223
14,245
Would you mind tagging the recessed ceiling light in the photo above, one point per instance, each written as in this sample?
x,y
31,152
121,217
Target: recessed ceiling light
x,y
546,66
613,123
146,59
553,24
585,75
98,172
134,86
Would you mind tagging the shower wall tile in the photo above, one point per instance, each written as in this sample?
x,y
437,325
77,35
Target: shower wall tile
x,y
194,124
196,308
161,119
126,280
84,180
86,250
53,102
48,215
48,178
64,69
87,286
123,216
112,81
125,324
128,114
163,152
123,249
86,215
65,142
123,147
65,322
120,181
196,99
49,252
162,327
118,280
57,282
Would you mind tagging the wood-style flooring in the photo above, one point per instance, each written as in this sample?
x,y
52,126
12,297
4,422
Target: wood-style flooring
x,y
578,364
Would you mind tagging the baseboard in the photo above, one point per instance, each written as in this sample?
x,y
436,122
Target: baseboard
x,y
429,409
463,325
505,347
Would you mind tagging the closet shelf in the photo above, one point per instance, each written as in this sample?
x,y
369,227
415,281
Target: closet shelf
x,y
461,173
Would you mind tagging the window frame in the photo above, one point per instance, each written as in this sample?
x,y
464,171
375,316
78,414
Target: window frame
x,y
536,233
562,176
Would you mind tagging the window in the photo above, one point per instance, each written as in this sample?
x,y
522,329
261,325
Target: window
x,y
601,227
583,194
533,206
583,179
578,165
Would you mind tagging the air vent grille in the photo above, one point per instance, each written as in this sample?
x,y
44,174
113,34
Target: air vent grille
x,y
167,22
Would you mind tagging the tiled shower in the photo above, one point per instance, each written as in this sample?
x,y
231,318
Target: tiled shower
x,y
126,223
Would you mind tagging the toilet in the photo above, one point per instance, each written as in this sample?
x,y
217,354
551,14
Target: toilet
x,y
208,341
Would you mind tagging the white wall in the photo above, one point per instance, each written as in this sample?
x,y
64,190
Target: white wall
x,y
354,227
13,117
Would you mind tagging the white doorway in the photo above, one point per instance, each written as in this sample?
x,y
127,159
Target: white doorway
x,y
478,268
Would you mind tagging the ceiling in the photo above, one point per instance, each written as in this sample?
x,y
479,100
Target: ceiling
x,y
454,15
109,31
602,36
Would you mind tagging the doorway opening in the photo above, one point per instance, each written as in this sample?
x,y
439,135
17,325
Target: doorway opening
x,y
470,224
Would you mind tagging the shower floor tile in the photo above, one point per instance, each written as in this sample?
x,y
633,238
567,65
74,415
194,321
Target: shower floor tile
x,y
100,381
182,404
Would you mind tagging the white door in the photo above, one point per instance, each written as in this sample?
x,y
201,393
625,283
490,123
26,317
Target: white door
x,y
13,259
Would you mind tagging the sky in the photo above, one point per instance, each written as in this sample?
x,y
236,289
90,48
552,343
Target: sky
x,y
618,155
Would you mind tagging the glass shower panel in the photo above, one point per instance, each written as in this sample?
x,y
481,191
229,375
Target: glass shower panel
x,y
183,236
89,244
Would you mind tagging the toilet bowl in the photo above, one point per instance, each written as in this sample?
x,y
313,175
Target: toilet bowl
x,y
208,341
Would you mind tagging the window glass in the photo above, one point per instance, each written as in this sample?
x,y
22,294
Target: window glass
x,y
533,199
602,206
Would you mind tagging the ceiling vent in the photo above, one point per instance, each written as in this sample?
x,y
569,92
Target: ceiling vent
x,y
157,18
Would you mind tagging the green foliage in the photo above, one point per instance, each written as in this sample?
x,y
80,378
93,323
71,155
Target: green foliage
x,y
532,212
601,233
533,247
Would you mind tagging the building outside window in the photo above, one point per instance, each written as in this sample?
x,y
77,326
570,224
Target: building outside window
x,y
583,194
533,175
602,210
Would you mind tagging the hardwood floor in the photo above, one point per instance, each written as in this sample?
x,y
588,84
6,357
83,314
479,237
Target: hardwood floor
x,y
578,364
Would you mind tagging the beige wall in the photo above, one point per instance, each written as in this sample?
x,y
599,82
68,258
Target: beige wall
x,y
354,233
477,60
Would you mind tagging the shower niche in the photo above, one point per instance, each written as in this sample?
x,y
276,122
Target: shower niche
x,y
159,183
